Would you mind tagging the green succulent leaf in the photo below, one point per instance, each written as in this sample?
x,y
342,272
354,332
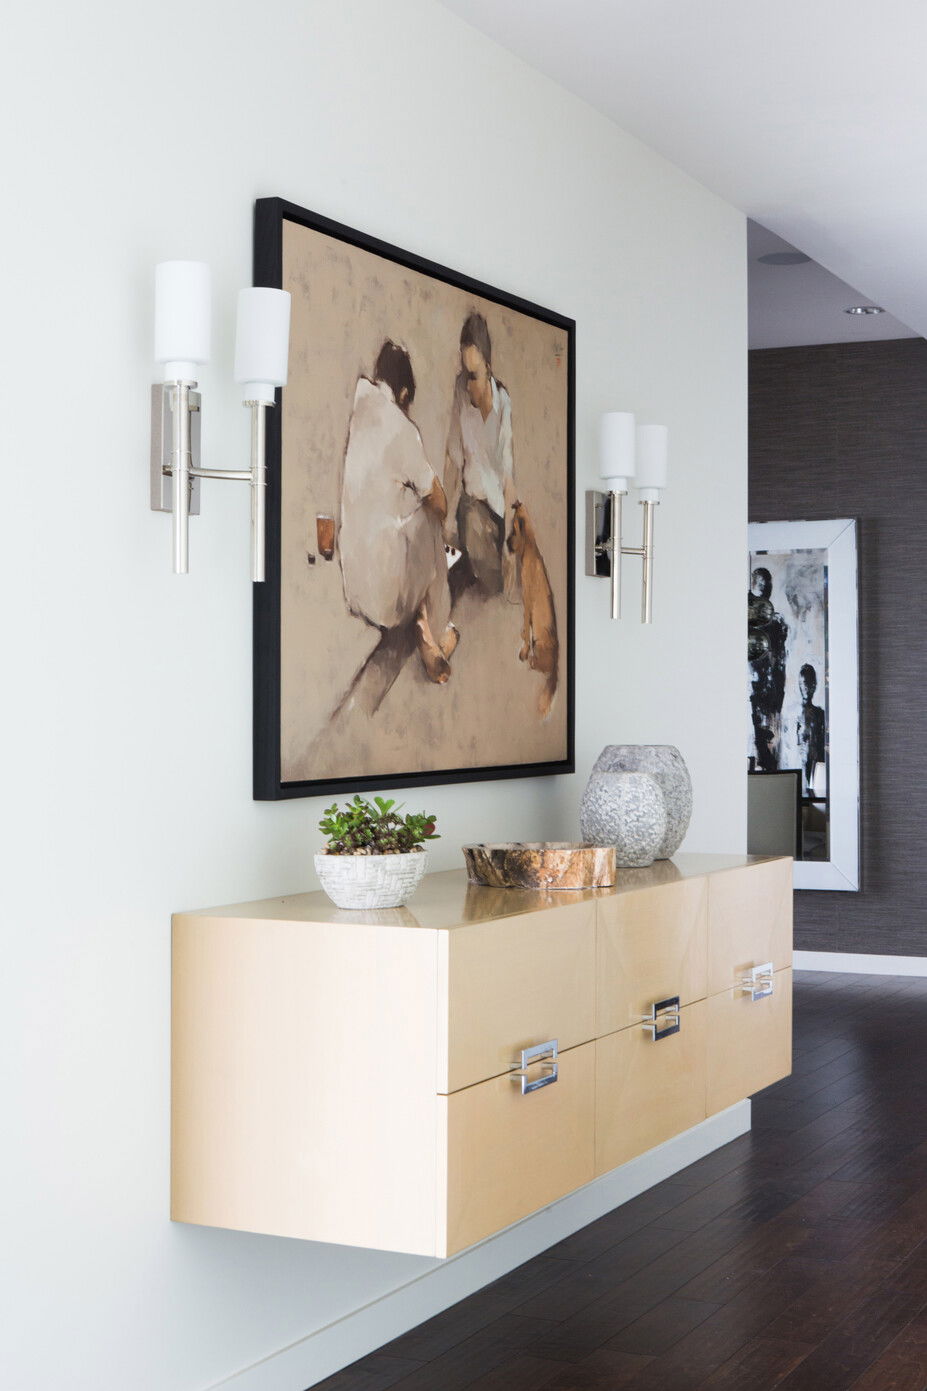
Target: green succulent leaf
x,y
375,827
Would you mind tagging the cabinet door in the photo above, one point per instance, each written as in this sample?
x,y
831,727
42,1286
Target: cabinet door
x,y
749,921
510,983
303,1080
509,1153
652,944
648,1089
749,1041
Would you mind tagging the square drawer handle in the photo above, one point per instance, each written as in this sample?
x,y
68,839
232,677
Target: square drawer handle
x,y
760,982
546,1055
663,1013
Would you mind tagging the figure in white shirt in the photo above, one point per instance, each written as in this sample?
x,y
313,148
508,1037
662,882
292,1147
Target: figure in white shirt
x,y
479,474
393,561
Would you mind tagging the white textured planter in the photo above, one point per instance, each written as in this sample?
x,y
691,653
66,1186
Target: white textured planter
x,y
371,881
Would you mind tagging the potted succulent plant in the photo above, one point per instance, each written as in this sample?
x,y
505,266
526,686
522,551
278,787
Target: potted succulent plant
x,y
373,858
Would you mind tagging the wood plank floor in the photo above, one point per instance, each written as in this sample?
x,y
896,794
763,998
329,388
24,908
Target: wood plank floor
x,y
795,1257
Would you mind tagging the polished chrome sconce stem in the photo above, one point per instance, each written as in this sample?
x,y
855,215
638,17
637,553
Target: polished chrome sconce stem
x,y
180,472
182,468
614,548
647,581
604,547
258,486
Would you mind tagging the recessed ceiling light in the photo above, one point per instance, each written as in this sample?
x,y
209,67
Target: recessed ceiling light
x,y
864,309
784,258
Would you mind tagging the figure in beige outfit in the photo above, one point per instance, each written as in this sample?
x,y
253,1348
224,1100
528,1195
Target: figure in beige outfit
x,y
393,508
479,474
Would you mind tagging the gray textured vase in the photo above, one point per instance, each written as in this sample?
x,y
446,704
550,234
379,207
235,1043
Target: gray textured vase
x,y
665,763
625,810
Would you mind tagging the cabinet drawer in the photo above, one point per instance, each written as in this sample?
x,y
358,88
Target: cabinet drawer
x,y
652,944
749,1042
749,921
511,983
509,1154
648,1090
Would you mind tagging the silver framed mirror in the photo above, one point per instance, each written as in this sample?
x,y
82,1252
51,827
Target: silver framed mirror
x,y
803,663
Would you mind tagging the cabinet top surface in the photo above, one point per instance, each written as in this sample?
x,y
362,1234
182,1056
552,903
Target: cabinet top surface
x,y
447,900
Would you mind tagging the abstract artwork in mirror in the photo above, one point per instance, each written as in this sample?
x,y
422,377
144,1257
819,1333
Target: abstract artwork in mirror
x,y
803,686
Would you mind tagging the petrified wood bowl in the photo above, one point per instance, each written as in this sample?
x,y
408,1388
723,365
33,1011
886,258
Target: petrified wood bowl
x,y
545,864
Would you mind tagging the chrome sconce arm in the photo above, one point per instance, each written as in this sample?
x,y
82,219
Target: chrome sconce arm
x,y
181,341
604,546
629,453
179,463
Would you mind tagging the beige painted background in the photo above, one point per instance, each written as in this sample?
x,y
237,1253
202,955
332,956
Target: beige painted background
x,y
346,301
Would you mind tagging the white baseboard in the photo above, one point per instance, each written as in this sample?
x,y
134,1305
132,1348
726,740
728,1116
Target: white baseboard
x,y
328,1349
860,963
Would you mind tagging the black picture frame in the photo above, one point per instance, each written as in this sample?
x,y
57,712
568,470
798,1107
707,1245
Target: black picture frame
x,y
273,780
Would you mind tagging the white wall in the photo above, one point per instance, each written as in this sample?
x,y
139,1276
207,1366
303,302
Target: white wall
x,y
133,136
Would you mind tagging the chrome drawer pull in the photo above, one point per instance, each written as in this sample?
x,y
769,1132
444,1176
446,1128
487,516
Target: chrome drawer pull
x,y
759,982
543,1053
663,1012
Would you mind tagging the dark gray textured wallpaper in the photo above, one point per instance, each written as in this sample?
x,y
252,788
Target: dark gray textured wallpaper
x,y
841,431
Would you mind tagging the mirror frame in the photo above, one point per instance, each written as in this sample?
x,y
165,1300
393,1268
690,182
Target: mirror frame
x,y
838,538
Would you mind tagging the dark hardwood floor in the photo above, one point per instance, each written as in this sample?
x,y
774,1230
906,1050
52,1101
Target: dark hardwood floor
x,y
795,1257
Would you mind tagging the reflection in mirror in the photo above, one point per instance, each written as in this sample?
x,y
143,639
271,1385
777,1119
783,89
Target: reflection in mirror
x,y
775,814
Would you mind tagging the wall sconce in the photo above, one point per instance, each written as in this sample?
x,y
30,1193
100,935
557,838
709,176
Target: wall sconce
x,y
182,343
628,453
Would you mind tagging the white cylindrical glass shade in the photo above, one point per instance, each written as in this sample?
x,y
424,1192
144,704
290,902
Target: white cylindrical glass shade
x,y
182,315
617,449
651,456
262,341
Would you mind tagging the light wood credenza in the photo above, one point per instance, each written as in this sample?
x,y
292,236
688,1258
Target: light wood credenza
x,y
359,1077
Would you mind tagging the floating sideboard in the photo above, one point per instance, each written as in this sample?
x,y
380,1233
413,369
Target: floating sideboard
x,y
415,1079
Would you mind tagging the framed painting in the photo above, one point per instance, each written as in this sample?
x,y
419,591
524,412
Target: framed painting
x,y
416,623
802,660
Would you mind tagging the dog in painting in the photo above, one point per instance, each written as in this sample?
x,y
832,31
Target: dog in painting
x,y
540,647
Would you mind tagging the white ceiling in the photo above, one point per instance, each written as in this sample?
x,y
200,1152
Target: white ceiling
x,y
792,305
809,115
